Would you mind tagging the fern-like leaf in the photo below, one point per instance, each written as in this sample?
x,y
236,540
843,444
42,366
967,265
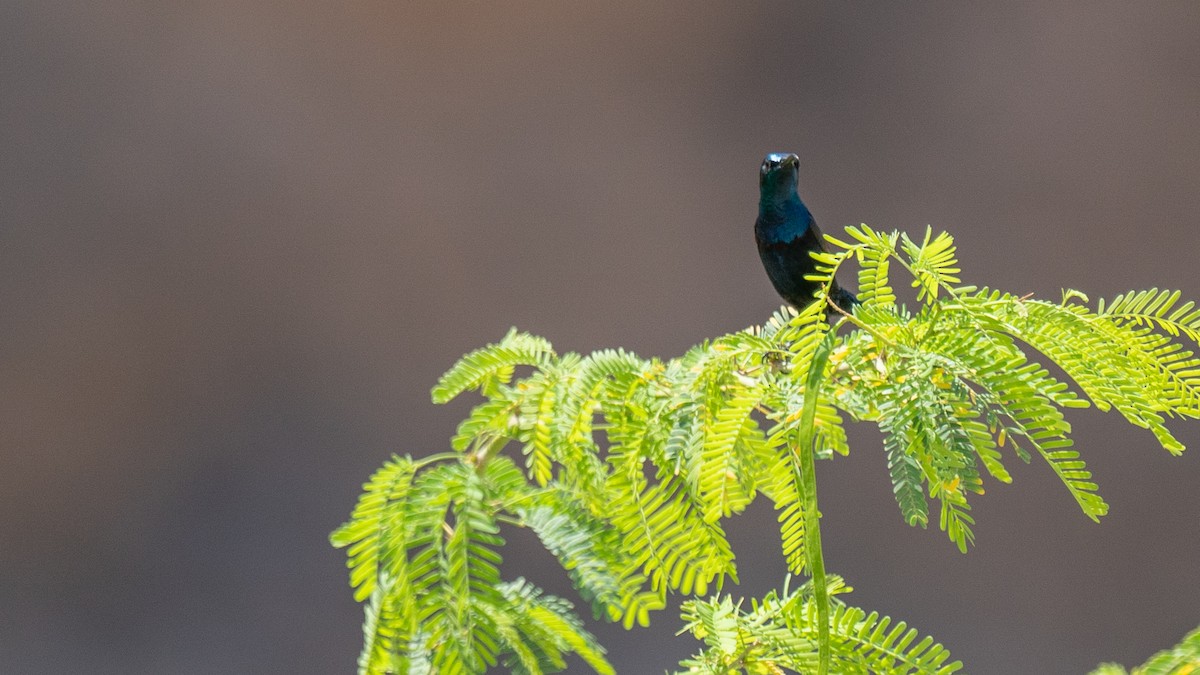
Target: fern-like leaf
x,y
721,487
779,634
549,626
665,534
905,473
374,533
590,550
933,263
785,493
492,365
874,286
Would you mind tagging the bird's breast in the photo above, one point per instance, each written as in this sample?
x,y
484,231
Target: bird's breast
x,y
782,224
787,261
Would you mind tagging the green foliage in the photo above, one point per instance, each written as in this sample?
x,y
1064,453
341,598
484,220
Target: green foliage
x,y
780,633
627,468
1182,659
425,548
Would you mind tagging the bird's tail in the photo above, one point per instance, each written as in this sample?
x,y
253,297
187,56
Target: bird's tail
x,y
844,299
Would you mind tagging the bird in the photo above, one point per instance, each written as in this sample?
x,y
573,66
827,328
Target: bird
x,y
786,233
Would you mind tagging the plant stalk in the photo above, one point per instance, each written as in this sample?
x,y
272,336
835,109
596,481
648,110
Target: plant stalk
x,y
805,463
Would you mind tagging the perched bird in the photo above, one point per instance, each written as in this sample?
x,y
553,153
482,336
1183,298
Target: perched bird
x,y
786,233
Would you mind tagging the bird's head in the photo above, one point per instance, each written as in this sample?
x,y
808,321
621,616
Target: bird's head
x,y
778,175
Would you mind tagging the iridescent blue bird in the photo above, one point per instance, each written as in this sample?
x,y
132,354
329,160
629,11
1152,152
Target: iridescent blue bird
x,y
786,233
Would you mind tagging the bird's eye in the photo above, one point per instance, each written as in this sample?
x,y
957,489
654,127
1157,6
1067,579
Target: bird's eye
x,y
766,166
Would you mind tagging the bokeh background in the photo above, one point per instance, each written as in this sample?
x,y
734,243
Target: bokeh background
x,y
240,239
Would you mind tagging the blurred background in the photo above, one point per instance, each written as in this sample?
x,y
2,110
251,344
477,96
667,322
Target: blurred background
x,y
239,241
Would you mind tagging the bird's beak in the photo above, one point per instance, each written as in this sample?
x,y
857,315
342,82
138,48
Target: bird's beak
x,y
791,161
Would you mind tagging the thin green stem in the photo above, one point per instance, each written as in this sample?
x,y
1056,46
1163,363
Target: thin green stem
x,y
804,461
434,459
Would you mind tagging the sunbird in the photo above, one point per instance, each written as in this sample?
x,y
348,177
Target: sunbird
x,y
786,233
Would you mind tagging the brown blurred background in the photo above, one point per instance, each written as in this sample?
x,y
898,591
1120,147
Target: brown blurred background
x,y
239,240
